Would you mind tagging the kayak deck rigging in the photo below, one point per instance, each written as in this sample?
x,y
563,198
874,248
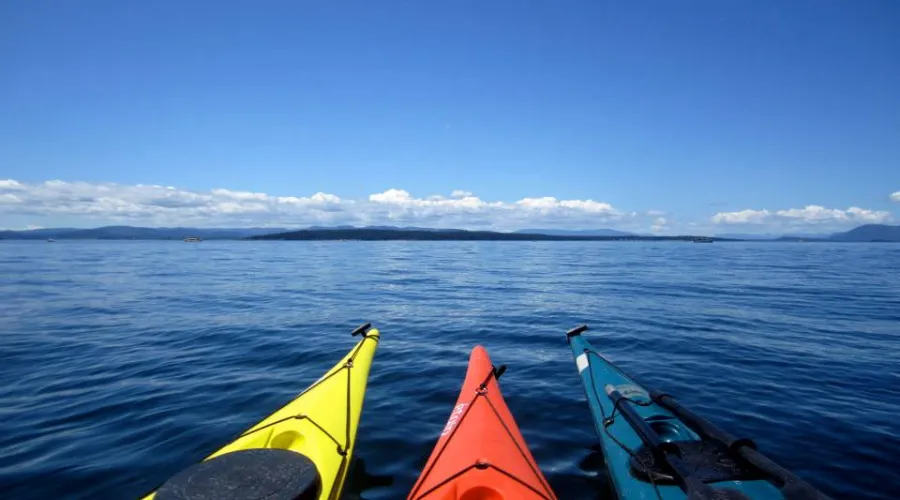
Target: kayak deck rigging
x,y
668,447
480,394
346,367
481,453
319,424
653,447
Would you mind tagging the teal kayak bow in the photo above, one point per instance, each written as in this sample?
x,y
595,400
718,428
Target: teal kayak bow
x,y
655,448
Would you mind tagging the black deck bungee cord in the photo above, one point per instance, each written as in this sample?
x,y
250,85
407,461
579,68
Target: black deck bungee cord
x,y
607,421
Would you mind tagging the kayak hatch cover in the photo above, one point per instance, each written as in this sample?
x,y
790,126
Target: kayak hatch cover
x,y
481,454
655,448
302,451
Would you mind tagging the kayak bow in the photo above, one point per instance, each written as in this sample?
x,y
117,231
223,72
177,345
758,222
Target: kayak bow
x,y
481,454
301,451
654,448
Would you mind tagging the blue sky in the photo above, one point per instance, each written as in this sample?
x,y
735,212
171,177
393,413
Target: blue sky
x,y
703,116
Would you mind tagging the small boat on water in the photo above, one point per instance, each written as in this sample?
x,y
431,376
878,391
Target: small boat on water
x,y
192,239
51,240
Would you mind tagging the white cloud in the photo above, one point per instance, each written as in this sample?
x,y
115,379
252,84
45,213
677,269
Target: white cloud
x,y
873,216
539,203
810,215
237,195
56,202
157,204
549,203
9,199
398,196
813,213
590,206
403,199
895,196
100,203
742,217
463,209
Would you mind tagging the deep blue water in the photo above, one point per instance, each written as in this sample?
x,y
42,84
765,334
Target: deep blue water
x,y
123,362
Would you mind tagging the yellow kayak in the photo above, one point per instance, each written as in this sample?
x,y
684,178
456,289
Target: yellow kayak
x,y
302,450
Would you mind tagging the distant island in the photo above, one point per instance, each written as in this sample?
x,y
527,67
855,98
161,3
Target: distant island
x,y
870,232
865,233
138,233
396,234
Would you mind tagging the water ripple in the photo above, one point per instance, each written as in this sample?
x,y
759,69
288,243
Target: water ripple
x,y
124,362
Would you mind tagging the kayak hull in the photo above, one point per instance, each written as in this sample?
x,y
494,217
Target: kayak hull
x,y
481,454
620,442
321,422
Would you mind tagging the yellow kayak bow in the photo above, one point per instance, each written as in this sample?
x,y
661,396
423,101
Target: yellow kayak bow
x,y
319,425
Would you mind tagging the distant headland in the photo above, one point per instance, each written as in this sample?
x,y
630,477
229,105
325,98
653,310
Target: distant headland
x,y
865,233
414,234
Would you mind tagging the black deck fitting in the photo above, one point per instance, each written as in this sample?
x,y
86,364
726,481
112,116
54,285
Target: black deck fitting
x,y
361,329
578,330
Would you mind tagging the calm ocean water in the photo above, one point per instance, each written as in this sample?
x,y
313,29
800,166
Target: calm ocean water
x,y
123,362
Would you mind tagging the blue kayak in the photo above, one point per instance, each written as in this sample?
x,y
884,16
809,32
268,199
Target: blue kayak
x,y
656,449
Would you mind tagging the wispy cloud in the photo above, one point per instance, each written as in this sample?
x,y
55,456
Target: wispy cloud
x,y
895,196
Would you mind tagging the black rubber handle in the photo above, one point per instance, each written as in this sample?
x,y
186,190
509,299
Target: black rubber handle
x,y
578,330
361,329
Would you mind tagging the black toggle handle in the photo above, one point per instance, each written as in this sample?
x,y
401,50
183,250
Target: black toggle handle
x,y
361,329
498,371
578,330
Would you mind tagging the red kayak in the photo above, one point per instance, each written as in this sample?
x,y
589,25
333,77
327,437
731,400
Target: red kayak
x,y
481,454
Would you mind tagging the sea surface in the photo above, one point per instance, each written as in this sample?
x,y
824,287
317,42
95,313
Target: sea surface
x,y
123,362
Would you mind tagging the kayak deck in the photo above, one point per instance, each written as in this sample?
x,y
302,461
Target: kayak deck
x,y
638,470
481,454
321,422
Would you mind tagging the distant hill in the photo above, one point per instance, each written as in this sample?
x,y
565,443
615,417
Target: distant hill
x,y
870,232
866,233
137,233
377,234
177,233
379,228
576,232
772,236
